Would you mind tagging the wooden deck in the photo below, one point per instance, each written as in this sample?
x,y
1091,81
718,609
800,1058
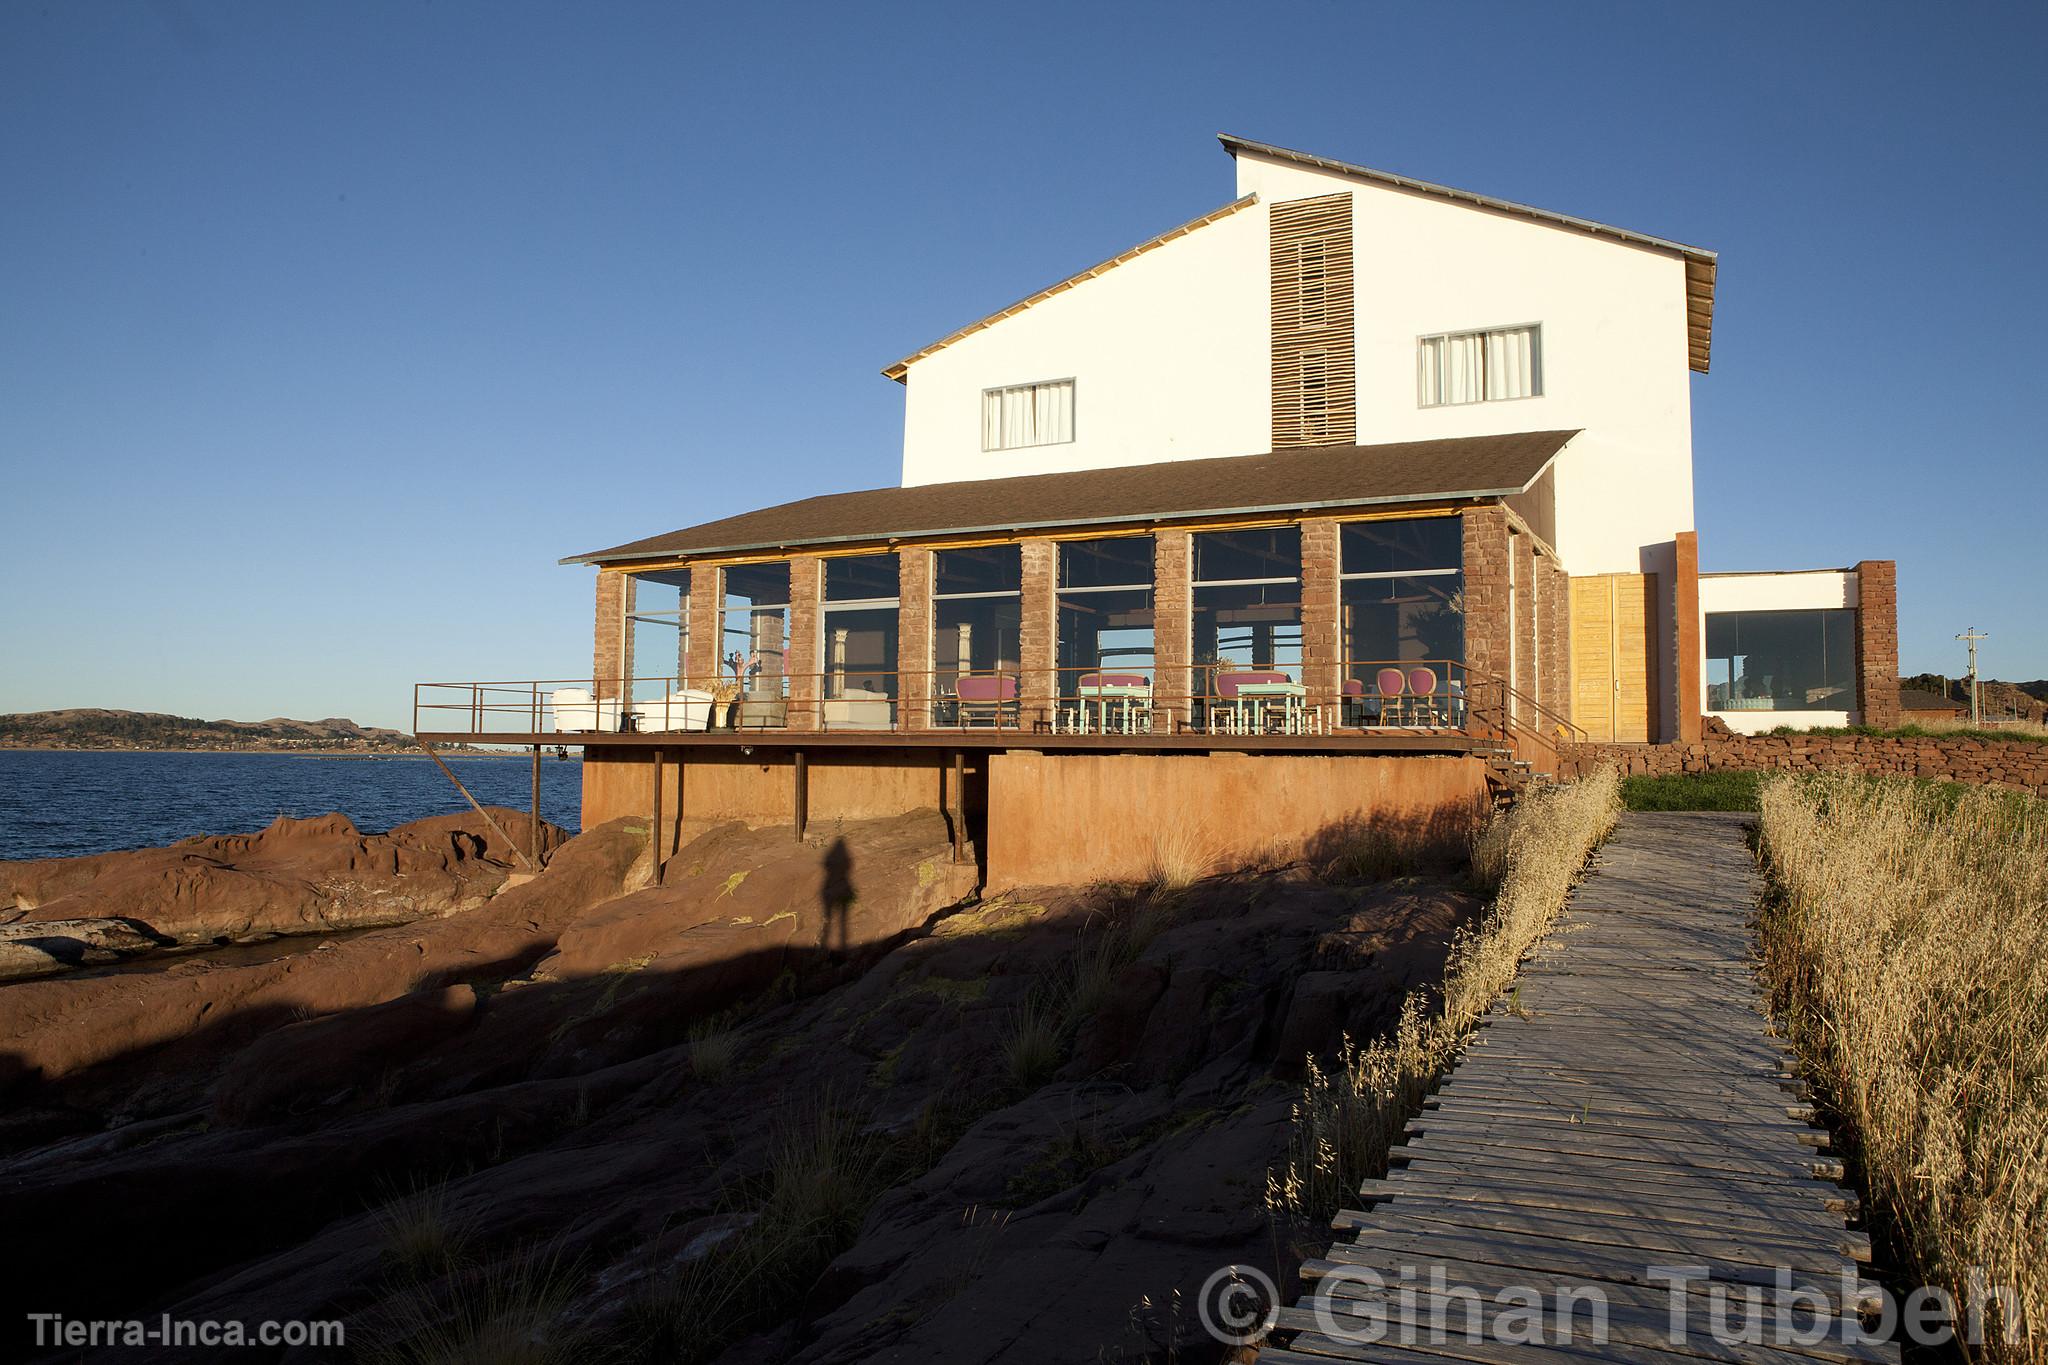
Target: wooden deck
x,y
1626,1109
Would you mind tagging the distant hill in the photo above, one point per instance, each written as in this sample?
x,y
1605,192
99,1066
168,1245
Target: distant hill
x,y
92,728
2027,700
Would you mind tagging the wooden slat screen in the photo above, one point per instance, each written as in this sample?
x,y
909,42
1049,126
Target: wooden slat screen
x,y
1315,401
1614,665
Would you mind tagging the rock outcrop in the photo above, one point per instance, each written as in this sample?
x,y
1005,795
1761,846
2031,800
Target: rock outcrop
x,y
296,877
608,1075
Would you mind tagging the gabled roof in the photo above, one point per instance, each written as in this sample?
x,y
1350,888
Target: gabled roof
x,y
1700,264
902,367
1282,481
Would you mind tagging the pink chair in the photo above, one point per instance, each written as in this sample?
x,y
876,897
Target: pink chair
x,y
1390,683
986,698
1422,684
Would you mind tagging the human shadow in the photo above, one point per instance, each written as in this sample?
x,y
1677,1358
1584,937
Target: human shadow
x,y
835,899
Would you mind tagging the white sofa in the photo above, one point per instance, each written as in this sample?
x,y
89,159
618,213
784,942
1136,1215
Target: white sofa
x,y
577,711
688,709
858,709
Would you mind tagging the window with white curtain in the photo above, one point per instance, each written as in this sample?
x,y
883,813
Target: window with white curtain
x,y
1481,367
1027,415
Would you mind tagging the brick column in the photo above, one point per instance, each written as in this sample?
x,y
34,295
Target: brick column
x,y
1322,642
1685,620
1486,590
914,639
1037,630
1554,637
1877,642
611,656
806,588
1523,547
704,669
1173,628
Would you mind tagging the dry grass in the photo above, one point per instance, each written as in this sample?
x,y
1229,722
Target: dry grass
x,y
514,1313
1907,949
1179,858
827,1164
422,1235
1347,1119
713,1049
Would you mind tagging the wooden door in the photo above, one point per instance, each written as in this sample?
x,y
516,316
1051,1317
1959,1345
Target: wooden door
x,y
1614,673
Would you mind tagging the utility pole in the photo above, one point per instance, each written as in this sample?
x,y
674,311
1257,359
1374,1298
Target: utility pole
x,y
1972,636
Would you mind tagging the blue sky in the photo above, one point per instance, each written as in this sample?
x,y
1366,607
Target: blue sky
x,y
325,329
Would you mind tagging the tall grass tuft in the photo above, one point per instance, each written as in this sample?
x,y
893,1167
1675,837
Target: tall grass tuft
x,y
1179,858
827,1164
713,1047
512,1313
1347,1119
1907,951
423,1236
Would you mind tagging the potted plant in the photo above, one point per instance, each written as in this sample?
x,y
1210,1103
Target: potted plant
x,y
724,697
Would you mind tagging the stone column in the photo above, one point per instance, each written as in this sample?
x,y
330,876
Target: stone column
x,y
1322,637
704,670
1037,630
1526,595
806,690
1877,642
1486,590
612,653
1553,635
1685,621
1173,629
914,639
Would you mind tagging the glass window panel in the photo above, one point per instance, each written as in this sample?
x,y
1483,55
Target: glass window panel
x,y
1403,546
985,568
1224,556
853,578
1113,561
1251,627
754,639
658,629
1781,660
1402,620
860,653
975,635
1105,632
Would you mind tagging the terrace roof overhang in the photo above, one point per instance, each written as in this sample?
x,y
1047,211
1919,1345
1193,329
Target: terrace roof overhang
x,y
1309,480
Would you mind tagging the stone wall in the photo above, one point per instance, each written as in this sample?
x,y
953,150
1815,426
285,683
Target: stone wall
x,y
1877,642
801,662
1038,628
1173,626
2001,763
1486,590
914,636
1322,645
612,644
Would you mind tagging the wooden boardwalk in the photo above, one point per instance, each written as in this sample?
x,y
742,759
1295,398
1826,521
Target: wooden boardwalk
x,y
1625,1111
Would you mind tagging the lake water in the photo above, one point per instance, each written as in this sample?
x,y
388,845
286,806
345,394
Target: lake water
x,y
56,804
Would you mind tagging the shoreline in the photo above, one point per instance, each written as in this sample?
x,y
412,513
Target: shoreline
x,y
287,753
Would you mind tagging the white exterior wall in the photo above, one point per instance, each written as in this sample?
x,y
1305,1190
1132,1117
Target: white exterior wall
x,y
1615,357
1170,354
1816,589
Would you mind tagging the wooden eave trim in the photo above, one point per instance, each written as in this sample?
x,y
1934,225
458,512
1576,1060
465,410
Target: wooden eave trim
x,y
1200,521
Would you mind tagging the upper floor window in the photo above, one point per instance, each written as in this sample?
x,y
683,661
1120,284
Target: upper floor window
x,y
1027,415
1481,367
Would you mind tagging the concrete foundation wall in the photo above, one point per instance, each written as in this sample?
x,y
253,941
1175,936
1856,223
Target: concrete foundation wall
x,y
760,789
1057,819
